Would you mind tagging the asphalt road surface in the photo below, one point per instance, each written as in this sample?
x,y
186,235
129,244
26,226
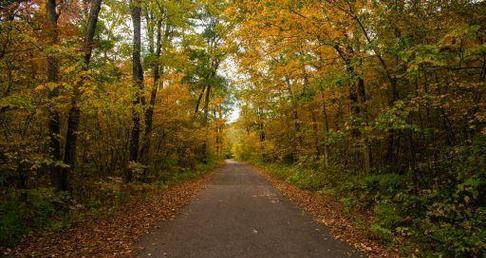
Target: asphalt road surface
x,y
240,214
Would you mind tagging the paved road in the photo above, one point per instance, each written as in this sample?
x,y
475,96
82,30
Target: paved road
x,y
240,214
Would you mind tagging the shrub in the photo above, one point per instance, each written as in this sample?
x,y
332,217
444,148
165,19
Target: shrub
x,y
21,211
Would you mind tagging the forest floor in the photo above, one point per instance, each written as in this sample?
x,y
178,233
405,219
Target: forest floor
x,y
240,214
116,234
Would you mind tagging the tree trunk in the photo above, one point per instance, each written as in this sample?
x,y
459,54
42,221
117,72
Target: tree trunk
x,y
137,73
315,129
297,139
156,69
75,113
59,175
326,128
198,102
205,147
391,135
219,135
262,137
357,96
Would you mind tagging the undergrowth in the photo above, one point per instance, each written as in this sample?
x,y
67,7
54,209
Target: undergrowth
x,y
26,211
426,218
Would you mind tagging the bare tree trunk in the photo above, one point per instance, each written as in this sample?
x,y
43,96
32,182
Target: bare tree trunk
x,y
198,102
315,129
156,69
59,175
205,123
262,136
75,113
220,131
297,139
137,73
326,128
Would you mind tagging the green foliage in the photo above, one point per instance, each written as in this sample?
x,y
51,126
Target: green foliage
x,y
386,183
381,232
440,221
16,102
138,170
310,181
395,118
387,217
25,210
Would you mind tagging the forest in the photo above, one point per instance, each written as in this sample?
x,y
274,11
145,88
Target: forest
x,y
378,105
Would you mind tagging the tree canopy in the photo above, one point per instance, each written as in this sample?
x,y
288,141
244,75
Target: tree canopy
x,y
381,102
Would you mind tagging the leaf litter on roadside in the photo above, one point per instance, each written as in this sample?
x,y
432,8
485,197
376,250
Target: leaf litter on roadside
x,y
327,211
114,235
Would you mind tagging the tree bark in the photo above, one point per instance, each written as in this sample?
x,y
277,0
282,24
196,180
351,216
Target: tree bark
x,y
205,123
59,175
325,127
297,137
137,73
156,69
198,102
261,134
75,113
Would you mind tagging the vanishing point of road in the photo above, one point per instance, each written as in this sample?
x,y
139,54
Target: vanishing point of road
x,y
240,214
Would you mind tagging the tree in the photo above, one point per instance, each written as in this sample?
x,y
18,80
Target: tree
x,y
60,175
74,113
138,84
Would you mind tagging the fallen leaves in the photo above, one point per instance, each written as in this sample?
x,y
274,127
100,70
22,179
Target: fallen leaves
x,y
113,235
327,211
